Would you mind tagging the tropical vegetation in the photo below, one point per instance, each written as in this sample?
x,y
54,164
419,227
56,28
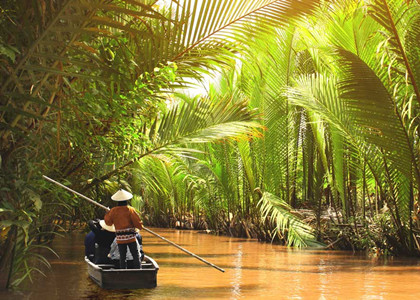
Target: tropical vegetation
x,y
307,133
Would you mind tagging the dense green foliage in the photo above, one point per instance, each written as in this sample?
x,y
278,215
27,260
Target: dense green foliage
x,y
309,131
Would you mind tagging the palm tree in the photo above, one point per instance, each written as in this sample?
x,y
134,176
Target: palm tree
x,y
367,103
359,106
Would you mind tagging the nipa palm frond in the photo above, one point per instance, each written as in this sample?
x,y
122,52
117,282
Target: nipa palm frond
x,y
198,122
395,16
412,45
373,112
68,47
203,121
296,231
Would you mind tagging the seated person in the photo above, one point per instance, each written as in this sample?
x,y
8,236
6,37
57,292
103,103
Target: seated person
x,y
114,254
104,235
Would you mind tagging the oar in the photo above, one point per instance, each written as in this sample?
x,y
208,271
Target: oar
x,y
147,229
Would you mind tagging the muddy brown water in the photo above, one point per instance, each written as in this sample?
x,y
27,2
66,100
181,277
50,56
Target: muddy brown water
x,y
253,271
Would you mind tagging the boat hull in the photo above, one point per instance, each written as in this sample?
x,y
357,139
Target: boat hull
x,y
107,277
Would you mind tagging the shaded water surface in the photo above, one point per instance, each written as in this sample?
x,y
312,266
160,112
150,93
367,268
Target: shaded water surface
x,y
253,271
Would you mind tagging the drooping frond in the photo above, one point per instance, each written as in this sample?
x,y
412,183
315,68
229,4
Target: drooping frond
x,y
373,112
279,213
214,21
203,121
394,16
198,122
412,46
84,38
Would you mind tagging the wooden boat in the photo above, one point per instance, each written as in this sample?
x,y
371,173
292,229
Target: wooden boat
x,y
108,277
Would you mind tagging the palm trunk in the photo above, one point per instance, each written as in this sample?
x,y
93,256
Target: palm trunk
x,y
411,209
363,193
6,260
298,123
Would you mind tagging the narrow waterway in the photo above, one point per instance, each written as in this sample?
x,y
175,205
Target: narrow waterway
x,y
253,271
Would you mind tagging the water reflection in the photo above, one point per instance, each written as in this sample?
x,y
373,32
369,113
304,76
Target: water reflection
x,y
237,277
253,271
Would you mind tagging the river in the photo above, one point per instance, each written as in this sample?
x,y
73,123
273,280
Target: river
x,y
253,271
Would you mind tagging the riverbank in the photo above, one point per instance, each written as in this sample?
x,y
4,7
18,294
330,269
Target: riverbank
x,y
374,235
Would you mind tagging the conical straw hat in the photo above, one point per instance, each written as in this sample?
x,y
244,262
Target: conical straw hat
x,y
122,195
106,227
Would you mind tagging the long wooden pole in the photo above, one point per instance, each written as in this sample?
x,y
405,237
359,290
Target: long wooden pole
x,y
147,229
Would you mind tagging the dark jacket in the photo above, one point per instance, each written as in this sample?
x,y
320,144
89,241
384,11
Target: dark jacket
x,y
103,237
103,241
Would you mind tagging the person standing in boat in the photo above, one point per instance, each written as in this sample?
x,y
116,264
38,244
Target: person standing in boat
x,y
114,254
126,220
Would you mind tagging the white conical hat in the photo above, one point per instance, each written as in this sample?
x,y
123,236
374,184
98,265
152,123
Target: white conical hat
x,y
106,227
122,195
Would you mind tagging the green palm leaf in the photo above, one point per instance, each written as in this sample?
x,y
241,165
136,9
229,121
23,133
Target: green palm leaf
x,y
373,112
198,122
204,121
395,16
187,33
298,233
412,44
